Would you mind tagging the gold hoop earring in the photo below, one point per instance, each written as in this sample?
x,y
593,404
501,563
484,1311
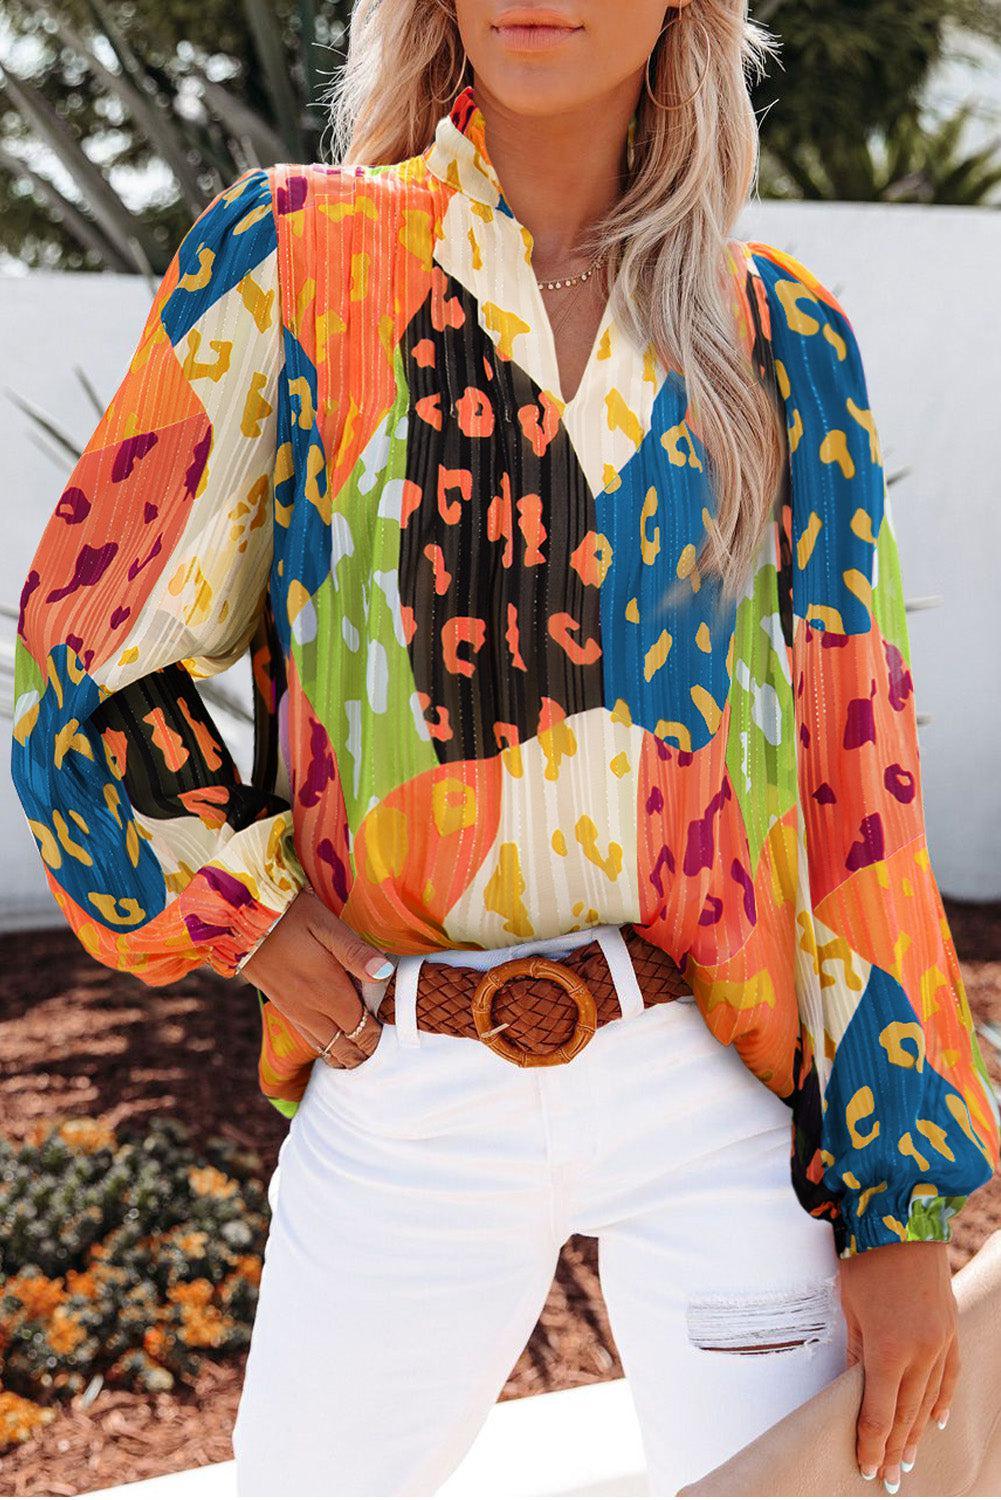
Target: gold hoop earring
x,y
705,71
447,98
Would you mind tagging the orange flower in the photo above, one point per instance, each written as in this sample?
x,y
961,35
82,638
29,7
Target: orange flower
x,y
87,1135
203,1327
155,1343
249,1267
194,1242
20,1418
38,1295
196,1293
81,1283
64,1332
209,1182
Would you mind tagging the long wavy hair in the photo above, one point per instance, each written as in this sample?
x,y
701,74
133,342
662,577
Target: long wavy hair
x,y
692,170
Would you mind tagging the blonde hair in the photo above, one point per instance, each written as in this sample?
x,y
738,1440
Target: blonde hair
x,y
668,235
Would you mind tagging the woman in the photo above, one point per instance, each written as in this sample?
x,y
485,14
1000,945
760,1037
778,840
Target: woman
x,y
567,657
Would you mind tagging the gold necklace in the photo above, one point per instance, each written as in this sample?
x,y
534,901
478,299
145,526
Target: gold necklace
x,y
551,286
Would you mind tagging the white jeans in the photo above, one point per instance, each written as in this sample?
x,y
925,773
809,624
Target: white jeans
x,y
422,1200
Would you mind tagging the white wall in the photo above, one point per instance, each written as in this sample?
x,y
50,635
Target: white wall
x,y
921,288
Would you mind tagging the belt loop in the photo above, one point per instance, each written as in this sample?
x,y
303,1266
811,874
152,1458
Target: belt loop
x,y
620,965
408,967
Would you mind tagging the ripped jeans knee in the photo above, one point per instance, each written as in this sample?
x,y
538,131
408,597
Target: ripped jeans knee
x,y
764,1322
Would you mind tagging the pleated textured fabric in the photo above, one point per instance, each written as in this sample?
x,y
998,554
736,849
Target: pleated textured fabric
x,y
342,442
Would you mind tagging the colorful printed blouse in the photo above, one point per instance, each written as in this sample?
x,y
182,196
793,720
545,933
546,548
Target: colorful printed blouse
x,y
341,443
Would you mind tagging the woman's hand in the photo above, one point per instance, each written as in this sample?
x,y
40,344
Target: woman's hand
x,y
304,966
902,1320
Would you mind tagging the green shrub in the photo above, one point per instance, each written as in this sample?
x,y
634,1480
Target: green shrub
x,y
122,1256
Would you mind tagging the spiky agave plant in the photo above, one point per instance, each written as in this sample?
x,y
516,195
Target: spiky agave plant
x,y
204,143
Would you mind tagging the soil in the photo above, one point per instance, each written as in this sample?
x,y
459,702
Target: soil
x,y
78,1039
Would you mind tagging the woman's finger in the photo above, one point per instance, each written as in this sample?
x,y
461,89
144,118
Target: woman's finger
x,y
908,1457
950,1375
909,1396
875,1418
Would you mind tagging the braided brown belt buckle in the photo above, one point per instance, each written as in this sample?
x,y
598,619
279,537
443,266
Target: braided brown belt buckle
x,y
536,967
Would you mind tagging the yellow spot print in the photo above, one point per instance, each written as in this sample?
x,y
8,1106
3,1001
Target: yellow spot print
x,y
48,848
895,1225
866,1198
307,415
688,566
132,844
361,263
453,805
834,450
906,1147
656,655
67,840
256,409
504,890
386,844
866,421
861,525
795,431
197,281
327,326
258,302
620,713
620,417
784,383
932,980
791,294
858,584
315,466
559,842
850,1180
512,761
586,833
937,1136
836,341
959,1110
668,729
619,764
707,706
892,1039
808,540
633,611
672,440
899,953
507,326
556,743
649,545
829,617
199,369
703,638
70,738
416,235
123,911
611,478
859,1106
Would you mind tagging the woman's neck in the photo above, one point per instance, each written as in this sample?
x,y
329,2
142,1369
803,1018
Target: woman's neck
x,y
559,172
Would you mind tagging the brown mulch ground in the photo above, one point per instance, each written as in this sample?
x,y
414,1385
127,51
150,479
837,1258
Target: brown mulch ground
x,y
77,1039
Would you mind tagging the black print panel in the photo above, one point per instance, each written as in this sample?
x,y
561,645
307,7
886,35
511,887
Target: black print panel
x,y
500,562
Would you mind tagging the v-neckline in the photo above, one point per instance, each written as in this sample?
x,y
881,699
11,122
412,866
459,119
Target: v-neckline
x,y
460,157
548,338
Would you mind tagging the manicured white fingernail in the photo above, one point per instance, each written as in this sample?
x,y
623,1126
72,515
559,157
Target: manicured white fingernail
x,y
943,1418
379,968
891,1489
906,1465
867,1473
